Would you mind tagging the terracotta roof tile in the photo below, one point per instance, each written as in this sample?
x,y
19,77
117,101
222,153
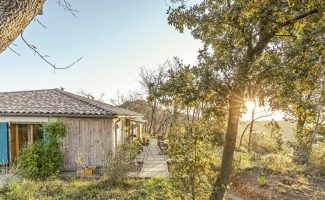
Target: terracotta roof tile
x,y
56,102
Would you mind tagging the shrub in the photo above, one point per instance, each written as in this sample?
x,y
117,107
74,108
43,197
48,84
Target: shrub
x,y
317,158
194,160
42,159
264,143
117,164
278,163
261,180
54,130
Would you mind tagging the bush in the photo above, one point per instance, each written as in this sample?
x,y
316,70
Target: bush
x,y
278,163
317,158
118,164
194,160
261,180
42,159
54,130
264,143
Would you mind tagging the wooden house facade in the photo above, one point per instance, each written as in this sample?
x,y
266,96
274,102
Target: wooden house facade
x,y
94,128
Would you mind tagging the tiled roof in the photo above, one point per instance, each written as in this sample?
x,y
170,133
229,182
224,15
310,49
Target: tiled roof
x,y
56,102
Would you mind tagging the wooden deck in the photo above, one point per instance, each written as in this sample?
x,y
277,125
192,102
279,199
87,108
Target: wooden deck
x,y
155,163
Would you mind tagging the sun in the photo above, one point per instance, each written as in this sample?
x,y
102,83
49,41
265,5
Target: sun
x,y
250,105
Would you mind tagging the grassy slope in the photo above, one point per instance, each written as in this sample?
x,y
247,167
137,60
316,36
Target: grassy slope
x,y
287,127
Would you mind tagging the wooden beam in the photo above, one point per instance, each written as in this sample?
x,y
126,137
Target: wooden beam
x,y
17,139
31,134
9,142
13,122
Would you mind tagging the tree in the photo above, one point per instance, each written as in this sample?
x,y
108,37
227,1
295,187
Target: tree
x,y
237,36
15,16
298,91
196,127
91,96
151,80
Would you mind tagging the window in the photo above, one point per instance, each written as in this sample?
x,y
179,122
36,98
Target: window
x,y
28,133
23,135
37,132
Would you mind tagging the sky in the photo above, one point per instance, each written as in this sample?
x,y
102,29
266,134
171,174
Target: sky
x,y
115,38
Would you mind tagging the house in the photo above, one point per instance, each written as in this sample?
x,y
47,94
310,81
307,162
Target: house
x,y
93,128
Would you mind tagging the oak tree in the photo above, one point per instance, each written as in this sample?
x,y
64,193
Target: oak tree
x,y
237,35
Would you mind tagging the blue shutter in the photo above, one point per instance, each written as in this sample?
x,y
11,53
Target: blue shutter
x,y
4,143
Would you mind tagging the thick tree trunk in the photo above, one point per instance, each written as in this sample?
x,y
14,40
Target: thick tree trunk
x,y
15,15
220,186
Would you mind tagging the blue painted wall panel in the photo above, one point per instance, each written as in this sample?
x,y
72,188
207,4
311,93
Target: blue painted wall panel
x,y
4,144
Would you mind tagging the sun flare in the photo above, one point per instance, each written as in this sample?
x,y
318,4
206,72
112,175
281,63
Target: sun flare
x,y
250,105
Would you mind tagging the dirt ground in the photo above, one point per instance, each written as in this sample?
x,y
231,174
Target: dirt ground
x,y
277,186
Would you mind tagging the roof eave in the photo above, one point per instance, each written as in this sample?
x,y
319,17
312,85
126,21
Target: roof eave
x,y
58,115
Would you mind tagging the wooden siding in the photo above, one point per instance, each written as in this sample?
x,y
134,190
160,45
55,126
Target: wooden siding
x,y
88,140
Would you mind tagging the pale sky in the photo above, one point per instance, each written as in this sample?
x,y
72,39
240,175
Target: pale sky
x,y
116,38
261,111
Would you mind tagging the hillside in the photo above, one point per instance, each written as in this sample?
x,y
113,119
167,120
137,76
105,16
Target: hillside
x,y
259,126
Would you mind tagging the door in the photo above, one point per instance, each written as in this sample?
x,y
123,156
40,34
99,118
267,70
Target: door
x,y
4,145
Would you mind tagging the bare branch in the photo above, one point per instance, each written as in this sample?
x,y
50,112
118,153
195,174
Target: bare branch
x,y
67,7
242,135
40,23
43,57
14,51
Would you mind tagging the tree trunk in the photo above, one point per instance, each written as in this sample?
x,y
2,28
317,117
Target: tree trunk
x,y
15,15
251,128
152,121
300,153
220,186
313,136
300,127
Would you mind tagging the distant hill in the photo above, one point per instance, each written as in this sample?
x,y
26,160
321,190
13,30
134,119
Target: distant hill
x,y
286,126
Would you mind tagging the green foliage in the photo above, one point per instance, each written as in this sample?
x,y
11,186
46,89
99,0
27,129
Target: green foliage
x,y
55,130
117,164
42,160
318,158
264,143
279,163
261,180
193,160
243,47
243,160
276,133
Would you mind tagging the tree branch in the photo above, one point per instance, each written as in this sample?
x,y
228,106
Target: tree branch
x,y
14,51
257,118
299,17
67,7
43,57
36,20
266,36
